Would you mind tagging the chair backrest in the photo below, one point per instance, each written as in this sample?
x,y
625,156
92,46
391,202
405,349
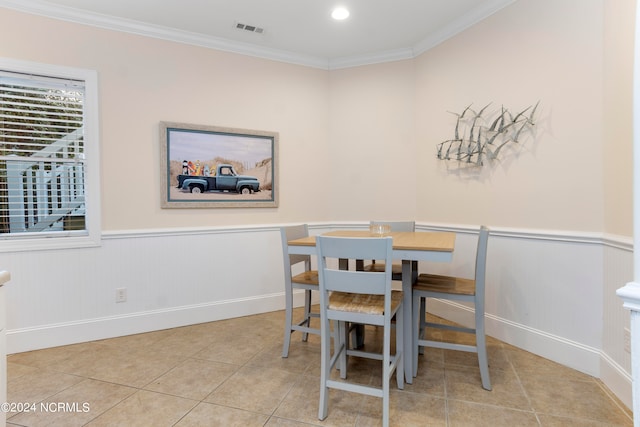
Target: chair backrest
x,y
291,233
358,282
397,225
481,262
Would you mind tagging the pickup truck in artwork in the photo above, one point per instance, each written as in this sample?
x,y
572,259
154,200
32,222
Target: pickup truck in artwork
x,y
224,179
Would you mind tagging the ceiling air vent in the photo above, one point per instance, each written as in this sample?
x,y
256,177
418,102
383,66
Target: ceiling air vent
x,y
250,28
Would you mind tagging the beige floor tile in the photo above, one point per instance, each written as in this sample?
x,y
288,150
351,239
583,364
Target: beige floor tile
x,y
472,414
405,409
553,421
429,356
311,344
207,414
231,372
145,408
429,380
46,358
134,368
16,370
184,344
529,365
76,405
464,383
260,332
88,360
232,348
254,389
297,361
39,385
138,341
282,422
572,399
496,354
301,404
209,332
193,379
360,371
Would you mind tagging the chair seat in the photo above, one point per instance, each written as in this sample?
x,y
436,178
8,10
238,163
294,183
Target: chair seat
x,y
448,284
454,288
363,303
305,279
308,278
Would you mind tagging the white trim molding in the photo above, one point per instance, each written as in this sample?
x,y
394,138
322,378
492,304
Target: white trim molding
x,y
551,293
84,17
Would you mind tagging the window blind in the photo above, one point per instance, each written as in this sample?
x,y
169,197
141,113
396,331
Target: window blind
x,y
42,154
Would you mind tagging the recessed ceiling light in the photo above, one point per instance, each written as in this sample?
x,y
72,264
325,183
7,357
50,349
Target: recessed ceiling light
x,y
340,13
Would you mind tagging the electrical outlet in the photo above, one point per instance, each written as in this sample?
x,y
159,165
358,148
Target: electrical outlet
x,y
121,294
627,340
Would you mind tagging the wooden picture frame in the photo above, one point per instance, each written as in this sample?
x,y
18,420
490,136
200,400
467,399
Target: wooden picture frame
x,y
217,167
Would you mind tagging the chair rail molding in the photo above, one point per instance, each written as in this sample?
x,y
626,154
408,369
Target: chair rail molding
x,y
567,311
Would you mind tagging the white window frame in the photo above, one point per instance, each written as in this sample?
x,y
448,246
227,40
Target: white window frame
x,y
92,237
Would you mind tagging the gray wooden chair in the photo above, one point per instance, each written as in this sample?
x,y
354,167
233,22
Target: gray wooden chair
x,y
306,280
397,265
357,297
460,289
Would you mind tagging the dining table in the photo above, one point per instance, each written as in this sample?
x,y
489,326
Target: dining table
x,y
410,247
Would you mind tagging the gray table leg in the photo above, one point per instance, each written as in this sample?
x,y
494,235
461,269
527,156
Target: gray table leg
x,y
409,269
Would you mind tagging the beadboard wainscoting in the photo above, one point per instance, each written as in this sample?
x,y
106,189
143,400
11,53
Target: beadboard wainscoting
x,y
550,293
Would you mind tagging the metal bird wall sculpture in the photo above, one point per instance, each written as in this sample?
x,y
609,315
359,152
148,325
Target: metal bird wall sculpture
x,y
475,140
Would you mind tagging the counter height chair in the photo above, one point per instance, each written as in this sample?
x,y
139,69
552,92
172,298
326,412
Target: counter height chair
x,y
376,265
307,280
460,289
357,297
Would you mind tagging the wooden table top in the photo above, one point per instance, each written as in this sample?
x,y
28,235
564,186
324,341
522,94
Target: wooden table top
x,y
440,241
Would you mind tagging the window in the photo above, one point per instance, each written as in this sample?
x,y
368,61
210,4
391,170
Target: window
x,y
49,177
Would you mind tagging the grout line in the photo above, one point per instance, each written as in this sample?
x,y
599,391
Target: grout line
x,y
302,376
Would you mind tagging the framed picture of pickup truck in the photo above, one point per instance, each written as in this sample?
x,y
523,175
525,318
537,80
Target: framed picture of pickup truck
x,y
217,167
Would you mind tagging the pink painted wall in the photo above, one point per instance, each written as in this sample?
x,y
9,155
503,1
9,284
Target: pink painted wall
x,y
360,143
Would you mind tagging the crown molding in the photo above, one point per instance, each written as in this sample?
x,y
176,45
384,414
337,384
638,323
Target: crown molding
x,y
373,58
466,21
42,8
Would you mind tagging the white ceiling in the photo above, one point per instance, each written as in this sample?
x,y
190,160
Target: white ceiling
x,y
296,31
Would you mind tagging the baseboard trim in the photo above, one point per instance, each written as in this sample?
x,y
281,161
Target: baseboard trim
x,y
27,339
566,352
619,382
585,359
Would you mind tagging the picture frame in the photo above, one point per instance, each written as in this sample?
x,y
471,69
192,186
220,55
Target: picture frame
x,y
217,167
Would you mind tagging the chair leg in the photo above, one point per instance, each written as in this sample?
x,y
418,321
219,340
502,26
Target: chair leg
x,y
288,316
325,361
385,405
307,313
386,374
481,346
423,321
416,323
341,345
349,337
357,335
400,349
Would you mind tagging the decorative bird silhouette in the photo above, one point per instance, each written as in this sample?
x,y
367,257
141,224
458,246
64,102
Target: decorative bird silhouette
x,y
473,138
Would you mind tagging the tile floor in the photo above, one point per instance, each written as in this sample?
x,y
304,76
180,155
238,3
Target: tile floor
x,y
230,373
